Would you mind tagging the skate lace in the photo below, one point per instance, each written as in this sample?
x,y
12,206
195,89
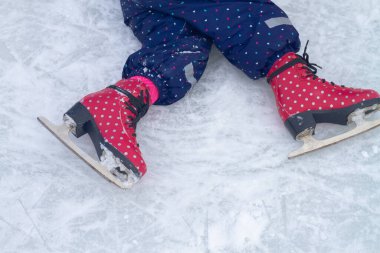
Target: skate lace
x,y
137,106
312,68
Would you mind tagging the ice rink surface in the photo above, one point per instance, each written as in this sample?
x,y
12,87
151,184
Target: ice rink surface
x,y
219,179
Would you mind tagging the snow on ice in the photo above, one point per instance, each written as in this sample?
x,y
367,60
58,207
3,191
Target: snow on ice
x,y
218,179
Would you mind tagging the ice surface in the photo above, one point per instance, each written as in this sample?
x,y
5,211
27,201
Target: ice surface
x,y
218,180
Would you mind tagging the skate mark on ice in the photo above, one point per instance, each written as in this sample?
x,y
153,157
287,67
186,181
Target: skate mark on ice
x,y
284,214
323,183
43,194
132,238
190,228
15,227
266,210
115,221
206,234
147,228
35,226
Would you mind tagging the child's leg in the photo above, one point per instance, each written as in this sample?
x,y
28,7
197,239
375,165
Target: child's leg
x,y
258,38
172,58
251,34
173,55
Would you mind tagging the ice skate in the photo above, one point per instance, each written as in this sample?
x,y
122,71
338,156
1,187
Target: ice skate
x,y
303,100
109,117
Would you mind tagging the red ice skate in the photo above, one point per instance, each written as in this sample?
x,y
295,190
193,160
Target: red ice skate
x,y
109,117
303,100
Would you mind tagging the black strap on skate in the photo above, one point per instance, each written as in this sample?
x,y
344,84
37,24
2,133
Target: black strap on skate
x,y
285,67
134,104
311,68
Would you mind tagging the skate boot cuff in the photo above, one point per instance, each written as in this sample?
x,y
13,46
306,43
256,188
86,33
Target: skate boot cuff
x,y
275,72
153,91
275,57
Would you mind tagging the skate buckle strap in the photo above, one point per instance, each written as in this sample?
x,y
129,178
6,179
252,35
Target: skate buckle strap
x,y
134,104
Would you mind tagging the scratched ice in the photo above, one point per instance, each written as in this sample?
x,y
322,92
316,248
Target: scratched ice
x,y
219,179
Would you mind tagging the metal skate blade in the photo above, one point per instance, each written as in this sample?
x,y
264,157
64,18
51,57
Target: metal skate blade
x,y
312,144
61,132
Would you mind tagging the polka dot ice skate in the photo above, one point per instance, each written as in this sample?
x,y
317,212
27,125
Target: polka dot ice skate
x,y
303,100
110,117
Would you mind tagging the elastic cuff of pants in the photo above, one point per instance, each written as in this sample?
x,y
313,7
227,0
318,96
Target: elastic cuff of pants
x,y
153,91
149,74
275,57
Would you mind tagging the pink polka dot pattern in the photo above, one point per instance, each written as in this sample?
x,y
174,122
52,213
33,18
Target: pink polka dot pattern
x,y
296,91
108,108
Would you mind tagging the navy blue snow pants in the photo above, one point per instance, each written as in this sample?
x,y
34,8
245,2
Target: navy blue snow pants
x,y
177,35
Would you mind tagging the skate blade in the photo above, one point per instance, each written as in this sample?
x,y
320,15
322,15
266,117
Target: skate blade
x,y
312,144
62,132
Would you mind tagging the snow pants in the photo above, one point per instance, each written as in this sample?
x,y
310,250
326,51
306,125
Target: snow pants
x,y
177,36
